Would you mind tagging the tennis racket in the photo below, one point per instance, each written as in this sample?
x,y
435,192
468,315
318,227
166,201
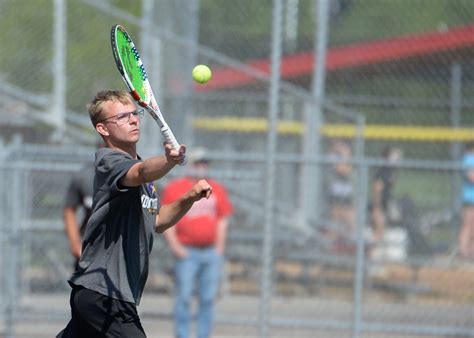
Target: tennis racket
x,y
133,72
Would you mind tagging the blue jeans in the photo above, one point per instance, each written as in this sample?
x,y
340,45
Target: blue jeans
x,y
202,266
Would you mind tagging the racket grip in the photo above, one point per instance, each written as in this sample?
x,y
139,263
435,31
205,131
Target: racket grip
x,y
169,138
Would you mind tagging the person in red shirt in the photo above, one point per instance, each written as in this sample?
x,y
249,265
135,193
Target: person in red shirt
x,y
198,244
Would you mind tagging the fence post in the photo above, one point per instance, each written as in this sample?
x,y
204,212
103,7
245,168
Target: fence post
x,y
3,250
12,241
362,186
310,182
59,64
267,254
456,148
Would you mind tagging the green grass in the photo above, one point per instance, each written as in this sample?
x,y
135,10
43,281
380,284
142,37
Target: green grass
x,y
428,188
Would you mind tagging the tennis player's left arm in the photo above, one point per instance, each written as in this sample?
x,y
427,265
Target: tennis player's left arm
x,y
171,213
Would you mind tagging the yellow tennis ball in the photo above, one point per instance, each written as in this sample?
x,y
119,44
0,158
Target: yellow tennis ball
x,y
201,73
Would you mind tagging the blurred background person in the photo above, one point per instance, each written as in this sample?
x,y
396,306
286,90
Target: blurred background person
x,y
466,234
339,190
78,206
388,240
384,208
78,202
395,220
198,244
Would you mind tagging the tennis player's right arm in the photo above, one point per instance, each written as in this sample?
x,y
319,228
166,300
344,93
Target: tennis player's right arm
x,y
153,168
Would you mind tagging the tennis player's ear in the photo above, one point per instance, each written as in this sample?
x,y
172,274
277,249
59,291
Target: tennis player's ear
x,y
102,129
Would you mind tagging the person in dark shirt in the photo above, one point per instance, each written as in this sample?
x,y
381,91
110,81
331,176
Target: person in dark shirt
x,y
382,207
78,198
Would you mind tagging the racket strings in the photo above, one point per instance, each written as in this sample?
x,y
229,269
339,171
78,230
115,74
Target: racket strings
x,y
143,74
133,67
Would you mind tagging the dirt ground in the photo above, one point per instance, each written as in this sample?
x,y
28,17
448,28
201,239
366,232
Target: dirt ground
x,y
237,316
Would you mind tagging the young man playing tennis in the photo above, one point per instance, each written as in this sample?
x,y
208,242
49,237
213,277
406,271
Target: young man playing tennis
x,y
113,267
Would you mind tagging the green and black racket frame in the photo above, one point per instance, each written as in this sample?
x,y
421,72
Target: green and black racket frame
x,y
133,72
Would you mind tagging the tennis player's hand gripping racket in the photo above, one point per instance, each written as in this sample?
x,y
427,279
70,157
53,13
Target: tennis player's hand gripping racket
x,y
133,72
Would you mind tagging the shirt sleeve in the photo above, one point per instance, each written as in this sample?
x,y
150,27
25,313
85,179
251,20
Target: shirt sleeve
x,y
468,162
468,166
73,194
111,167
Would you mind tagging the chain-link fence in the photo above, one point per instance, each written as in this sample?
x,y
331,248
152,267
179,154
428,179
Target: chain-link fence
x,y
345,174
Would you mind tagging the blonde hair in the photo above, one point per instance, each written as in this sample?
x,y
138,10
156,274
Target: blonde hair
x,y
95,106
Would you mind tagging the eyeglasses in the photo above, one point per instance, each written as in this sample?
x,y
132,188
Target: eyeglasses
x,y
123,118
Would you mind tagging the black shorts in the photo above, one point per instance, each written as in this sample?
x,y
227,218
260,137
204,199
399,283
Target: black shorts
x,y
95,315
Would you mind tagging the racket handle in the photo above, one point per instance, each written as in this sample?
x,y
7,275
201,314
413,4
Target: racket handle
x,y
169,138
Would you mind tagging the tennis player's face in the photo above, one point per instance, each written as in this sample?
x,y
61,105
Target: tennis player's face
x,y
121,124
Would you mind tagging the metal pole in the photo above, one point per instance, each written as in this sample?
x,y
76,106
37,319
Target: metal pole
x,y
3,242
361,219
311,178
193,32
291,25
456,149
59,72
266,281
146,146
149,137
12,245
179,18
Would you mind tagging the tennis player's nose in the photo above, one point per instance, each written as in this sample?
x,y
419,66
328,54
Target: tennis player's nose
x,y
134,118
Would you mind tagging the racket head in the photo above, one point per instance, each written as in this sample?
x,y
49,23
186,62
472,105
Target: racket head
x,y
130,65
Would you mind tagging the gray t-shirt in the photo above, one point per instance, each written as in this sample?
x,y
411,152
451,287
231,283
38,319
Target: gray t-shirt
x,y
119,235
